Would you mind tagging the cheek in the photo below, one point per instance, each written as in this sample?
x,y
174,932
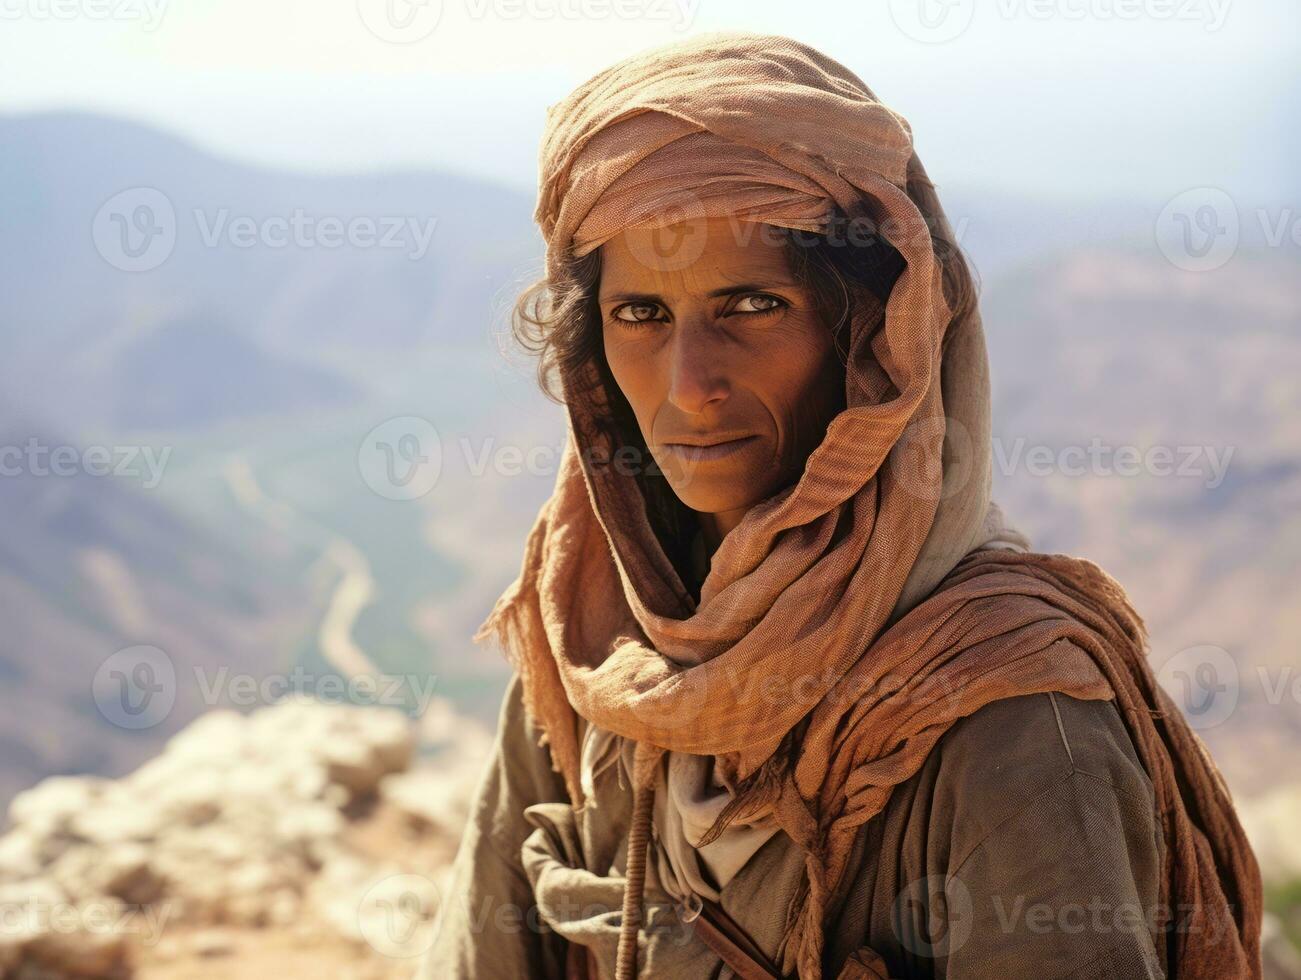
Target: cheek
x,y
635,375
803,387
796,371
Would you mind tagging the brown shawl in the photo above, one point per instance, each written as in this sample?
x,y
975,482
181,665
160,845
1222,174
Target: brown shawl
x,y
841,630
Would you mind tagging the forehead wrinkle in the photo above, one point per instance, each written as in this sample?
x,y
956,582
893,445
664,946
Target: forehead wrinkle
x,y
716,268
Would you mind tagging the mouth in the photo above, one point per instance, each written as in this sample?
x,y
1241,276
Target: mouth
x,y
698,451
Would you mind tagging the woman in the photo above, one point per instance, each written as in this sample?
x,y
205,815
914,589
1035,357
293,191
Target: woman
x,y
789,699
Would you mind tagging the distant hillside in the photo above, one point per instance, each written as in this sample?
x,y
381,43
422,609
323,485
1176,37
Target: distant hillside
x,y
192,371
335,271
216,353
1118,346
92,564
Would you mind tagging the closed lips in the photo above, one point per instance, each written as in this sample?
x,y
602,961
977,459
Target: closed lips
x,y
706,441
709,450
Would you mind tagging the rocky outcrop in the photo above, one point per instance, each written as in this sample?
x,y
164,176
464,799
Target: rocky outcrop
x,y
302,822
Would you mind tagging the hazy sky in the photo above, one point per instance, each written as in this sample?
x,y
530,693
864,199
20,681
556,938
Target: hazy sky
x,y
1067,97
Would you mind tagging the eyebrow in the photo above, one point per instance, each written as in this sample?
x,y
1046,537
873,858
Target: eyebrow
x,y
747,287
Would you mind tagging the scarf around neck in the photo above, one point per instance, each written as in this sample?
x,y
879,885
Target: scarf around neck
x,y
849,619
691,861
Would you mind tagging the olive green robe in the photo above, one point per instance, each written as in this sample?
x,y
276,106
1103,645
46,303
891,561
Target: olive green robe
x,y
1027,846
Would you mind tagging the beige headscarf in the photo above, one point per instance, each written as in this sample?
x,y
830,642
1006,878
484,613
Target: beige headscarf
x,y
840,630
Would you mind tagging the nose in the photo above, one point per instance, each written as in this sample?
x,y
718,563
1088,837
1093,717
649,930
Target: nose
x,y
697,375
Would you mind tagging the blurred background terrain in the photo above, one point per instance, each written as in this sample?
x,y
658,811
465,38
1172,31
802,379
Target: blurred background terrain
x,y
322,464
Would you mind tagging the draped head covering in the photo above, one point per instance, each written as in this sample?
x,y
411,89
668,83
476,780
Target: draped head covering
x,y
852,617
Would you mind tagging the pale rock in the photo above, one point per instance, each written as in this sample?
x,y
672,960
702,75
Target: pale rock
x,y
310,831
429,798
121,870
21,854
49,805
120,815
241,821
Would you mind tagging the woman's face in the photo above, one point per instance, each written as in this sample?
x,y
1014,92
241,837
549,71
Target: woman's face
x,y
729,369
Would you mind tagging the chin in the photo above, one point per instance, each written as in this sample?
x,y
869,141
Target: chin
x,y
716,494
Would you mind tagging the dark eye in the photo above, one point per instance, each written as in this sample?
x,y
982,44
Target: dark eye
x,y
640,313
759,303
